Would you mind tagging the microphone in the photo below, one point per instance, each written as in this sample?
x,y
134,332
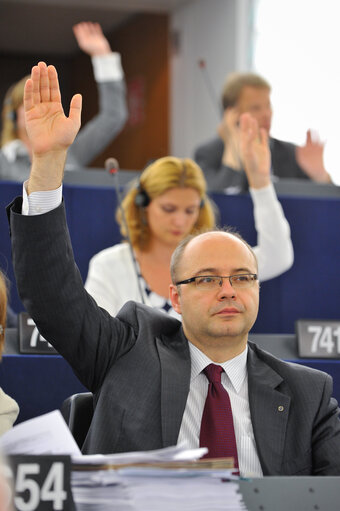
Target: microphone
x,y
112,167
210,88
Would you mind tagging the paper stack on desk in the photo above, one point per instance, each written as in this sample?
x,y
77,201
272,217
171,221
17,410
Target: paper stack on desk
x,y
155,489
170,479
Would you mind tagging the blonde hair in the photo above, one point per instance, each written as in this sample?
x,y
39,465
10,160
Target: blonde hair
x,y
14,98
236,82
159,177
3,310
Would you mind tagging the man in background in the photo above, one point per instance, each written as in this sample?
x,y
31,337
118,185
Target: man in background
x,y
220,158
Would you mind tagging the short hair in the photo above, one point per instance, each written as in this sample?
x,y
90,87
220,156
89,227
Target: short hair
x,y
236,82
160,176
14,98
179,250
3,310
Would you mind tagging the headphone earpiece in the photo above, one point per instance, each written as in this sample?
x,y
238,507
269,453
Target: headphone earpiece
x,y
142,199
12,116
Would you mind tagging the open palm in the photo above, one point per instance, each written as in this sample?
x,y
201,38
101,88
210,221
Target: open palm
x,y
255,151
47,126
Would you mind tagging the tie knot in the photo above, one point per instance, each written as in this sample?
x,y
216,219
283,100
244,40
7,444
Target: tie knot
x,y
213,373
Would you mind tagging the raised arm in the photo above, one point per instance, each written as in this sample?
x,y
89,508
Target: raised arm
x,y
229,132
274,248
255,152
50,132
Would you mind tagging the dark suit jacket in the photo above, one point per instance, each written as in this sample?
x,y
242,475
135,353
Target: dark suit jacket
x,y
219,176
138,364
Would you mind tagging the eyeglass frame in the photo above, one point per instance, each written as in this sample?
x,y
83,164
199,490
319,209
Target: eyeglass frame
x,y
221,277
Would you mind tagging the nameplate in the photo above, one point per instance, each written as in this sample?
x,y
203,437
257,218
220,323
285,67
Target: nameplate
x,y
30,340
318,339
41,483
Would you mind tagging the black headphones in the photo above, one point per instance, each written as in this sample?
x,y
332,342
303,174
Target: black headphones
x,y
12,116
142,199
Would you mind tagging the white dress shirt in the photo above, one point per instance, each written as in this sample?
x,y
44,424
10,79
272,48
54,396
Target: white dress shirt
x,y
235,381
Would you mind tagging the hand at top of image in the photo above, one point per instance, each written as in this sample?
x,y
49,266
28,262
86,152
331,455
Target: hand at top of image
x,y
50,132
90,38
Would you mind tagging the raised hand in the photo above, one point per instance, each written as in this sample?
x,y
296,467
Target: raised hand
x,y
310,159
48,128
229,132
90,38
50,132
255,152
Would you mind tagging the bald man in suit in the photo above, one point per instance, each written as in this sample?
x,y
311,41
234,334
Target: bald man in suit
x,y
145,369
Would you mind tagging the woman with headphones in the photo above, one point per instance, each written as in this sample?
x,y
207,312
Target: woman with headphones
x,y
168,203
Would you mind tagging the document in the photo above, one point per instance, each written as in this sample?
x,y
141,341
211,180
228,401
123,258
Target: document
x,y
46,434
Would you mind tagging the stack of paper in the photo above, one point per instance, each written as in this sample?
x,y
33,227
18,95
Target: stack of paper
x,y
143,489
170,479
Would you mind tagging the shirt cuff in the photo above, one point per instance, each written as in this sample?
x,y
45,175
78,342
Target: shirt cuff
x,y
107,68
260,194
38,203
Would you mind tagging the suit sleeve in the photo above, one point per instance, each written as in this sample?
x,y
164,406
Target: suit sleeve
x,y
97,134
326,434
52,291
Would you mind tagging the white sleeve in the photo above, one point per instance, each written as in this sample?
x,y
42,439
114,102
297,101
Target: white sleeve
x,y
107,68
38,203
274,250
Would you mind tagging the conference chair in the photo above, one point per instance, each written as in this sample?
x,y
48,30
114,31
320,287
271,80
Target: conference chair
x,y
77,411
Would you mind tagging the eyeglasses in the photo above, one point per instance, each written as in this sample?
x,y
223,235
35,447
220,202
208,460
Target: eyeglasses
x,y
207,282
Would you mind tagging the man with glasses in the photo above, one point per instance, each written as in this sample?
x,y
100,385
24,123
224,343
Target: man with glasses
x,y
157,382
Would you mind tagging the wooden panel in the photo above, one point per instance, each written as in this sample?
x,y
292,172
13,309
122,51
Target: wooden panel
x,y
143,44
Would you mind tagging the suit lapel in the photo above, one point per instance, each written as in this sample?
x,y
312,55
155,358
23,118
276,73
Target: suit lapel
x,y
175,381
269,409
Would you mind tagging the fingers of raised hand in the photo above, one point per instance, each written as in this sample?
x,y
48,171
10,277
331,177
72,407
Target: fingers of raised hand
x,y
248,125
86,29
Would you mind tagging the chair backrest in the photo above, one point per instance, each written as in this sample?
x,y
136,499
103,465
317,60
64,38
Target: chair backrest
x,y
77,411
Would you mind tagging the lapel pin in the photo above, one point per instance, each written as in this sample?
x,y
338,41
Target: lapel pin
x,y
280,408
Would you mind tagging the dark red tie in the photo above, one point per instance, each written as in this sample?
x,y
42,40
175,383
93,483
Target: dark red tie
x,y
217,427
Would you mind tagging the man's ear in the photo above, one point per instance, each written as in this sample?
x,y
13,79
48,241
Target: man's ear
x,y
175,298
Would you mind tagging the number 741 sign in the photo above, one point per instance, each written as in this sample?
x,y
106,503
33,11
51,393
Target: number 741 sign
x,y
318,339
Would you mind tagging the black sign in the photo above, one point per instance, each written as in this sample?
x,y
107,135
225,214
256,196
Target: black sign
x,y
30,340
318,339
40,483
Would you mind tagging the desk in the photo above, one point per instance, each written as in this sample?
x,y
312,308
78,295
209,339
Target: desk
x,y
309,290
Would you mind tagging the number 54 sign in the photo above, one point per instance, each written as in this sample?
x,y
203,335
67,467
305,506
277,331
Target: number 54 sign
x,y
318,339
39,483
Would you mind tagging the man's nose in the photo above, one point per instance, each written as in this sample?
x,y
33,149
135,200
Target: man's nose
x,y
226,290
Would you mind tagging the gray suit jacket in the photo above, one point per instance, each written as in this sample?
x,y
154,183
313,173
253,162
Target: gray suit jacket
x,y
209,158
138,364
